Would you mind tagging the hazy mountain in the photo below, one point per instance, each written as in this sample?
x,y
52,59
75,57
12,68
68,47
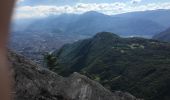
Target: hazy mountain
x,y
139,66
19,25
33,37
32,82
162,16
91,22
163,36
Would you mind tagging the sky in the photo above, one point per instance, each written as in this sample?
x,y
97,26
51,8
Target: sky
x,y
43,8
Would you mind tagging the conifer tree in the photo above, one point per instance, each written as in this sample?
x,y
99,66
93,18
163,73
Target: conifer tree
x,y
50,61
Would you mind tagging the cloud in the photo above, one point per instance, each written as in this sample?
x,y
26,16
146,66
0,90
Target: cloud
x,y
135,1
106,8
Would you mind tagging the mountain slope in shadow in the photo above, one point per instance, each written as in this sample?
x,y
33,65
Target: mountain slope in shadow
x,y
137,65
35,83
163,36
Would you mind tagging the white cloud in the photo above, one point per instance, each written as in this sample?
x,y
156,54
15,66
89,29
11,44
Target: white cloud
x,y
107,8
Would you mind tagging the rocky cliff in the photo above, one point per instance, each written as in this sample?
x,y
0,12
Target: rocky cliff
x,y
35,83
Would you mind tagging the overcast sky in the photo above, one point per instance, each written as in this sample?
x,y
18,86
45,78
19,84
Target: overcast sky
x,y
43,8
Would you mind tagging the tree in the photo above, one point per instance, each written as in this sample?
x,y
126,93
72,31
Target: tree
x,y
50,61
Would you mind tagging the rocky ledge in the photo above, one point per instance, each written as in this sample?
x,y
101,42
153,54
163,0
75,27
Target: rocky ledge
x,y
33,82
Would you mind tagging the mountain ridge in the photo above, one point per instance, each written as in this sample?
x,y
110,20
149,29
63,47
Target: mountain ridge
x,y
126,64
96,20
33,82
160,16
68,28
163,36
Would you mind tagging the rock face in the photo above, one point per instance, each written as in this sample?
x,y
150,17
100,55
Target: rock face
x,y
35,83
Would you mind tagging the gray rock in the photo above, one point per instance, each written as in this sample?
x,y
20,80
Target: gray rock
x,y
33,82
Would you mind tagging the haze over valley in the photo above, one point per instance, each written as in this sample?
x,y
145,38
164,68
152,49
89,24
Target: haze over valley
x,y
42,35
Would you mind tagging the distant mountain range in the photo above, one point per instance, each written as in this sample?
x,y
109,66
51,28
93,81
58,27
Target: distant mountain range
x,y
139,66
145,24
161,16
32,36
163,36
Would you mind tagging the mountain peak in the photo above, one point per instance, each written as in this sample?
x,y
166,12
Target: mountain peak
x,y
106,35
93,13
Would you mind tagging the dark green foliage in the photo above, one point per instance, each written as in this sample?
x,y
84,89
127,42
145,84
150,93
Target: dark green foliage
x,y
50,61
136,65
